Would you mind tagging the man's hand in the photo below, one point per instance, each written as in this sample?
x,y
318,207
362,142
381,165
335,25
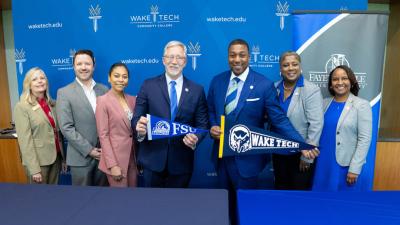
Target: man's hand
x,y
310,154
190,140
95,153
141,126
215,132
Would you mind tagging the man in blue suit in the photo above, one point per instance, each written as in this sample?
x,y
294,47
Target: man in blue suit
x,y
169,162
247,97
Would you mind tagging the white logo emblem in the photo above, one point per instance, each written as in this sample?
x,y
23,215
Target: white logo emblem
x,y
64,63
336,60
282,11
155,19
320,78
194,52
20,59
94,16
239,138
262,60
161,128
154,12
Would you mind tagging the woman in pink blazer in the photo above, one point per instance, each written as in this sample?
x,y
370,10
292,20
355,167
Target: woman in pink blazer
x,y
114,112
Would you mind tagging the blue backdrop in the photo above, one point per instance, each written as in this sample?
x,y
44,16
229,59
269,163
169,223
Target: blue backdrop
x,y
48,32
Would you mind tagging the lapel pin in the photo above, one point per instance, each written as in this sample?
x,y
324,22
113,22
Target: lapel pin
x,y
251,87
34,108
187,89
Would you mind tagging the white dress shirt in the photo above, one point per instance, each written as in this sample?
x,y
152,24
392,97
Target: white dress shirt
x,y
178,86
242,78
89,92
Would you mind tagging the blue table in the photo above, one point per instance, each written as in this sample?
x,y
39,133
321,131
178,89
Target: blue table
x,y
319,208
70,205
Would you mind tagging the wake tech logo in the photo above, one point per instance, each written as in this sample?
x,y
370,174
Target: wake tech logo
x,y
282,10
242,139
239,138
155,19
194,52
20,59
95,16
64,63
262,60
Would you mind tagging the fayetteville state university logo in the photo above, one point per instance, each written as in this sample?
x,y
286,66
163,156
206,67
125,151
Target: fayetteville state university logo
x,y
95,16
161,128
20,59
282,10
262,60
194,52
320,78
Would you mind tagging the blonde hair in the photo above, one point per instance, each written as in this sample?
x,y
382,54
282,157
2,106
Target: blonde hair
x,y
27,95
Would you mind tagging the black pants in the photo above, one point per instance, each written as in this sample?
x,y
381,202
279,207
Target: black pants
x,y
165,179
288,175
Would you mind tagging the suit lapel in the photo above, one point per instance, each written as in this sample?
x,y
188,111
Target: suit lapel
x,y
248,86
115,103
162,83
221,93
40,112
295,100
184,93
82,97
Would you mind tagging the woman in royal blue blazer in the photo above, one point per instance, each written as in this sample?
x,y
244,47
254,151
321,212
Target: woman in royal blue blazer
x,y
346,136
302,102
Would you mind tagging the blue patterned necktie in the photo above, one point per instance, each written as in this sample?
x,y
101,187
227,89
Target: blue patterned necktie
x,y
173,99
230,102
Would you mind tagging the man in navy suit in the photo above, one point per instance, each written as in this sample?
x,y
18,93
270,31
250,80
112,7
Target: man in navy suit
x,y
247,97
169,162
254,101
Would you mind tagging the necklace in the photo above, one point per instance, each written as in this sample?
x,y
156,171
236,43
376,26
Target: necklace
x,y
287,88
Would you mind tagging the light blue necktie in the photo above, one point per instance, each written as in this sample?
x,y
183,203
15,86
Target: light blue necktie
x,y
173,99
230,102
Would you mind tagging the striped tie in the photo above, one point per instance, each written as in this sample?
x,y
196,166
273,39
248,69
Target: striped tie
x,y
230,102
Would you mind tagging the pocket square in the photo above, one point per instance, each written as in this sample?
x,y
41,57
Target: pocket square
x,y
252,99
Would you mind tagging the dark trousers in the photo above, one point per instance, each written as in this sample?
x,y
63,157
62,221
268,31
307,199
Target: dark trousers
x,y
88,175
165,179
230,179
288,175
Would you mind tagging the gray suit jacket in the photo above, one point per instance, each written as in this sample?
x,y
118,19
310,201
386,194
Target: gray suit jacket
x,y
353,133
77,122
305,112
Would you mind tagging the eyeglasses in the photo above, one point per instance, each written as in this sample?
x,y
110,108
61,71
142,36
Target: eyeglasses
x,y
170,58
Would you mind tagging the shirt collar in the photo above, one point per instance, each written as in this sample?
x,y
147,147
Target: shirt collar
x,y
299,83
242,76
93,83
178,81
